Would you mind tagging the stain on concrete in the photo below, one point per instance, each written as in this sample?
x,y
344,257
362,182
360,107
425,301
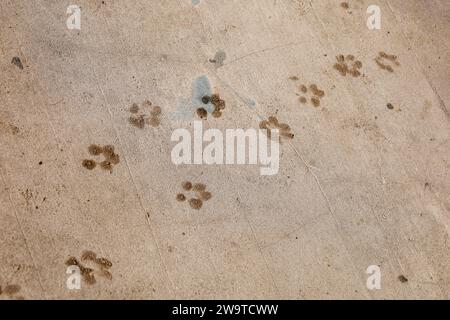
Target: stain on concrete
x,y
17,62
315,97
387,61
195,203
98,266
219,58
202,113
198,192
7,128
201,87
89,164
272,123
111,158
218,103
348,65
154,119
11,290
345,5
138,119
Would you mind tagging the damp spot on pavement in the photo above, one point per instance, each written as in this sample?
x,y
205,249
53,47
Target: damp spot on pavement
x,y
11,289
315,96
198,194
139,117
387,61
348,65
202,113
108,151
187,185
272,123
195,203
219,58
17,62
89,164
92,265
218,104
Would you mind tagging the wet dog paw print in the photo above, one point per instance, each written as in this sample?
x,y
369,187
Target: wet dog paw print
x,y
272,123
11,290
348,65
98,266
218,104
317,94
385,60
111,158
139,119
199,191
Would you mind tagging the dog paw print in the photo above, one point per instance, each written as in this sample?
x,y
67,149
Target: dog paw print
x,y
91,266
218,104
272,123
199,192
11,291
348,65
385,60
317,94
139,119
111,158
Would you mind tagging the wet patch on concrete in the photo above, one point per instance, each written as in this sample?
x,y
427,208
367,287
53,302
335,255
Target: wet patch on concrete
x,y
219,58
111,158
272,123
201,87
139,118
348,65
17,62
387,61
11,291
315,94
216,101
98,266
198,192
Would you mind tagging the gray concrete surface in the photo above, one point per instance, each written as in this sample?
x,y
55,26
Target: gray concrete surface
x,y
360,184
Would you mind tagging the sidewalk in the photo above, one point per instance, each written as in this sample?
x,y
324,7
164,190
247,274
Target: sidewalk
x,y
364,181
